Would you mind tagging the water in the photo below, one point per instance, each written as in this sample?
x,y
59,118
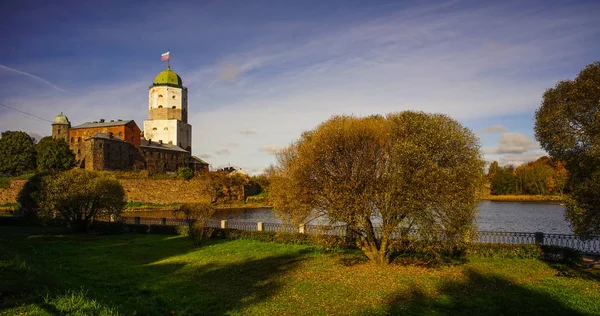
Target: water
x,y
493,216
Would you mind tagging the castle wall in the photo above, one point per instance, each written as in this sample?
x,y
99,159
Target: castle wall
x,y
129,132
139,190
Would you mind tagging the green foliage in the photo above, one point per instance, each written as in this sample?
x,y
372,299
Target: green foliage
x,y
4,183
196,215
163,229
107,228
185,173
567,125
77,196
54,155
17,153
29,198
540,177
137,228
583,207
408,169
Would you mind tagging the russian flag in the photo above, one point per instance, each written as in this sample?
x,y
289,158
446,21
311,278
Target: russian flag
x,y
165,56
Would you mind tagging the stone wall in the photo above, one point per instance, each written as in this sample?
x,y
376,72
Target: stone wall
x,y
9,195
138,190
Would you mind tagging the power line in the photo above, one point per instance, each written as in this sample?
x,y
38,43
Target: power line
x,y
28,114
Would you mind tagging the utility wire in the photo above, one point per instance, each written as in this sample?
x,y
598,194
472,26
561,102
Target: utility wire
x,y
28,114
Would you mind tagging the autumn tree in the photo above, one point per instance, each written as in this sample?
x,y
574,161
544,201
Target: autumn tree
x,y
567,125
196,216
383,177
17,153
77,196
53,155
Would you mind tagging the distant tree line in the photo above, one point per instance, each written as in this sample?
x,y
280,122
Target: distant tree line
x,y
540,177
20,154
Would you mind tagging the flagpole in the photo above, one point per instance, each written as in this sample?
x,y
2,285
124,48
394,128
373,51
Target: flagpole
x,y
169,60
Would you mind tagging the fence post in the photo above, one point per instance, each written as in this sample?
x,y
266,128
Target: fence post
x,y
136,220
163,221
539,238
259,226
302,229
223,224
111,218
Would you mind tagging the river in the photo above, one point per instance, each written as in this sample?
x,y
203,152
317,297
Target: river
x,y
492,216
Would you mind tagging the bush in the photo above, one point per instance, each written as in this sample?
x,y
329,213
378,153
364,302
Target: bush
x,y
182,230
185,173
108,228
137,228
163,229
4,183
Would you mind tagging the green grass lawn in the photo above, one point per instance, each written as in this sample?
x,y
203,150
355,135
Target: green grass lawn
x,y
135,274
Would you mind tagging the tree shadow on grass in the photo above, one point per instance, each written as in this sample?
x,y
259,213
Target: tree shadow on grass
x,y
146,274
479,294
217,289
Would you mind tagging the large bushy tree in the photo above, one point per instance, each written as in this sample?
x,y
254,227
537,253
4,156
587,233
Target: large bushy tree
x,y
17,153
76,195
567,125
384,176
54,155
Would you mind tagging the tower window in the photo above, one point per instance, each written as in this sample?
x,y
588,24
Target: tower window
x,y
174,97
166,128
174,107
160,106
160,96
72,140
59,131
79,140
155,129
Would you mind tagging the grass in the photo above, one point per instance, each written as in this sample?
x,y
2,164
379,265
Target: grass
x,y
132,205
134,274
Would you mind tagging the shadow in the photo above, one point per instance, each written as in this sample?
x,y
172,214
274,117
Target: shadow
x,y
479,294
587,268
142,274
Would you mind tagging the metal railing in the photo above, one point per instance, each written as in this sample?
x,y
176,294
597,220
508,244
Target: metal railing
x,y
586,246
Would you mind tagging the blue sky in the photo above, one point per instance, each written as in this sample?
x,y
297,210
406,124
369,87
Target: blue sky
x,y
261,72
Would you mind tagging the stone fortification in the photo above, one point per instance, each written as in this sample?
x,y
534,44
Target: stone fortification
x,y
138,190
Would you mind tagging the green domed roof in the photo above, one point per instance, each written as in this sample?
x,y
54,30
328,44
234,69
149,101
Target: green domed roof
x,y
168,77
61,119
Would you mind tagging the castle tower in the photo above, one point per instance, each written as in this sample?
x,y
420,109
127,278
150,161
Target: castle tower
x,y
168,111
60,127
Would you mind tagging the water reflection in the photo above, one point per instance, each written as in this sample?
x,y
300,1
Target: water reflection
x,y
493,216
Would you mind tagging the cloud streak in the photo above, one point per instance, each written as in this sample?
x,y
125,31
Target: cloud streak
x,y
6,68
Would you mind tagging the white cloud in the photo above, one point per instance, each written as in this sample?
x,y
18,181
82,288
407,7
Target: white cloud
x,y
248,132
270,149
229,72
513,143
222,152
496,129
519,159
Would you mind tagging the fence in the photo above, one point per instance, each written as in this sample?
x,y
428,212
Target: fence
x,y
586,246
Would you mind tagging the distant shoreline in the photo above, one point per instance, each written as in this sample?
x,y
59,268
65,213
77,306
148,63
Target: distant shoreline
x,y
524,198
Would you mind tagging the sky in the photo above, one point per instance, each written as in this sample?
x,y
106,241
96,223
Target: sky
x,y
259,73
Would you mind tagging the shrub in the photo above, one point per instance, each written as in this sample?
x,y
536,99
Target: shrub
x,y
196,215
4,183
108,228
163,229
182,230
137,228
185,173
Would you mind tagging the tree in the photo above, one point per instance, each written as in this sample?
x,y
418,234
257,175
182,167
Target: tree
x,y
54,155
17,153
76,195
185,173
383,177
196,215
567,125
